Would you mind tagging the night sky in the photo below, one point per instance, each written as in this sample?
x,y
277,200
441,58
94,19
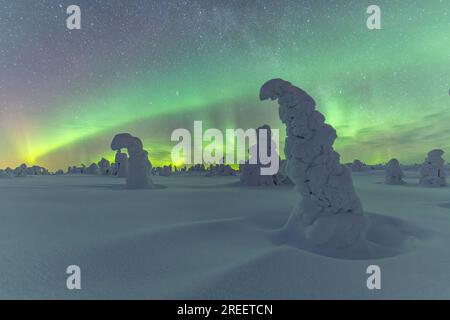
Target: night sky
x,y
149,67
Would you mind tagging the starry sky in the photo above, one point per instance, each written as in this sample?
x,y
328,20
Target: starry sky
x,y
148,67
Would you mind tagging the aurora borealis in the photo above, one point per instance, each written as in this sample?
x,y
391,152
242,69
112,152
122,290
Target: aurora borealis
x,y
149,67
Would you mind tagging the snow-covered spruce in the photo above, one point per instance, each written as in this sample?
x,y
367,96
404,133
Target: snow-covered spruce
x,y
74,170
4,174
329,212
21,171
220,169
223,170
104,166
197,169
358,166
166,171
121,164
393,172
432,173
36,171
251,170
93,169
139,166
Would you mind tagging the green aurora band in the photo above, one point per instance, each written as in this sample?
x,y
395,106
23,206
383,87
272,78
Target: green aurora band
x,y
386,92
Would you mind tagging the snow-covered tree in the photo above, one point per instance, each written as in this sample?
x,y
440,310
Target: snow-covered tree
x,y
166,171
394,173
139,166
329,213
121,164
357,166
104,166
432,171
251,169
21,171
93,169
4,174
224,170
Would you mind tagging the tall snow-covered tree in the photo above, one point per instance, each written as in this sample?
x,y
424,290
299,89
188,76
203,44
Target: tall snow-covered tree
x,y
328,213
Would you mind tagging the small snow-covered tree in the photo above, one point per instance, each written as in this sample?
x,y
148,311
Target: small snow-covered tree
x,y
251,169
394,173
93,169
432,171
224,170
139,166
121,164
4,174
21,171
166,171
358,166
329,213
220,169
104,166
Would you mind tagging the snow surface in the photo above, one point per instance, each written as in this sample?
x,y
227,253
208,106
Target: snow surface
x,y
209,237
